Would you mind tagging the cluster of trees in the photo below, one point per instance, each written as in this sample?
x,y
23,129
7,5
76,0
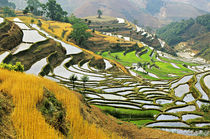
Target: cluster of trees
x,y
7,8
174,32
8,12
79,33
54,11
73,78
51,10
204,20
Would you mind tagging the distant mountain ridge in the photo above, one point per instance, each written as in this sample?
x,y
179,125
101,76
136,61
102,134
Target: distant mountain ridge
x,y
153,13
200,4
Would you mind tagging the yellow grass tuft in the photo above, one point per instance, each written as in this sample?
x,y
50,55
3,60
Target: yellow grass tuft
x,y
27,90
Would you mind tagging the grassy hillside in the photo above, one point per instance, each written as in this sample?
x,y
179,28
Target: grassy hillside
x,y
28,121
24,92
195,32
127,29
129,81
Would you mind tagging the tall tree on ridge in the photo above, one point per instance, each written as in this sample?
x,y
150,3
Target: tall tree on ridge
x,y
54,11
99,12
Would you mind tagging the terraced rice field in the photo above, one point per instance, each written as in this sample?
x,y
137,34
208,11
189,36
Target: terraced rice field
x,y
3,56
121,20
1,20
158,101
151,66
207,81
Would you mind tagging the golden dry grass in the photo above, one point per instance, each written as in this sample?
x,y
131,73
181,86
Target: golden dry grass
x,y
112,39
26,91
57,28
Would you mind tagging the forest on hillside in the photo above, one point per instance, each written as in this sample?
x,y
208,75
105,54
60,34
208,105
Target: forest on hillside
x,y
184,30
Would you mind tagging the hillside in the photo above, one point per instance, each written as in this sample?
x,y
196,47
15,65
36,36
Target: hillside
x,y
194,33
21,100
146,12
121,28
169,11
126,76
11,35
201,4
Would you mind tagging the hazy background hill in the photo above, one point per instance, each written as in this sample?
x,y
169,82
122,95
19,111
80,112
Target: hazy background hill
x,y
200,4
192,34
153,13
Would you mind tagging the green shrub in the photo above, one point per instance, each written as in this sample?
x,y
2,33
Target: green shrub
x,y
63,33
32,21
17,67
39,23
205,108
53,112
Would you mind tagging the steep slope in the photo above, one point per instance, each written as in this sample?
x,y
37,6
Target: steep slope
x,y
10,35
194,34
121,28
169,11
138,97
84,122
201,4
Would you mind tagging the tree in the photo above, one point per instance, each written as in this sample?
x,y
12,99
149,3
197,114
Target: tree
x,y
39,23
144,67
73,79
8,12
26,10
84,79
117,57
73,19
55,12
34,6
99,12
32,21
79,33
89,22
139,65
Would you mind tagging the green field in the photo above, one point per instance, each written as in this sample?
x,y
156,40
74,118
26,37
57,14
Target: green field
x,y
162,69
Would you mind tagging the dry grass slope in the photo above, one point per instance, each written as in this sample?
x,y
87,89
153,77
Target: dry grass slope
x,y
26,91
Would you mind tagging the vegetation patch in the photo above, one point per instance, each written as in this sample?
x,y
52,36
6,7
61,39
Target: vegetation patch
x,y
203,85
128,113
17,67
6,107
10,35
53,111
